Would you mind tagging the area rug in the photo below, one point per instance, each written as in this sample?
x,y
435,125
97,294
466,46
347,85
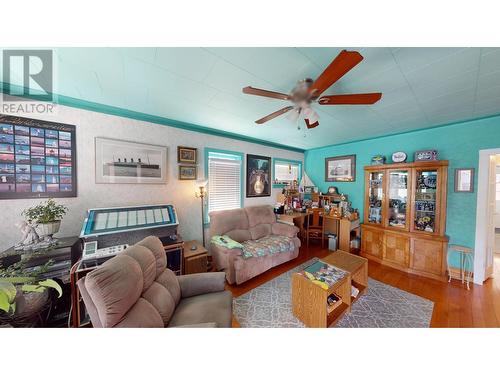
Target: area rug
x,y
269,306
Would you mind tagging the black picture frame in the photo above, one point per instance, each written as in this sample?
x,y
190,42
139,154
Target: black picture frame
x,y
28,173
349,174
258,170
188,155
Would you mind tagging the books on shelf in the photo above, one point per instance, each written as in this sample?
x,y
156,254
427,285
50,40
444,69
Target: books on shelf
x,y
332,302
354,291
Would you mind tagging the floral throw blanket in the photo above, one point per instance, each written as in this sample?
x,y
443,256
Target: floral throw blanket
x,y
266,245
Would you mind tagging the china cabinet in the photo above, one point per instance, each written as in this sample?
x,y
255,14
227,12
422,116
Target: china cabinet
x,y
405,216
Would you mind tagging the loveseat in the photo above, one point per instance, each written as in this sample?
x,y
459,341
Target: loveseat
x,y
250,226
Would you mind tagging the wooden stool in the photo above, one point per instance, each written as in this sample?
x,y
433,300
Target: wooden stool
x,y
466,263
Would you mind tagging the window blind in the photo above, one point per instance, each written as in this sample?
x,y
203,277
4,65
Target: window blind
x,y
224,182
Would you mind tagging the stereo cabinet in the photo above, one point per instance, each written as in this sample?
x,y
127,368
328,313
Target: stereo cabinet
x,y
405,217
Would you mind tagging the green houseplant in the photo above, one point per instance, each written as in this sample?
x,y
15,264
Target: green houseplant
x,y
24,297
47,215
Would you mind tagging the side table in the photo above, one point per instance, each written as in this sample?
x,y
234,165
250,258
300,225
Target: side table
x,y
195,261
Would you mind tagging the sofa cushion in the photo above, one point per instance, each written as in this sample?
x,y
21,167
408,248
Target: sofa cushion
x,y
267,246
146,260
141,315
260,215
205,308
260,231
239,235
225,221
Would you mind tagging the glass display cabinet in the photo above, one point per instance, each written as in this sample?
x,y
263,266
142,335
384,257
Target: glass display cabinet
x,y
405,216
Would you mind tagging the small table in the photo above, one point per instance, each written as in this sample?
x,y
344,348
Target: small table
x,y
195,261
357,266
309,300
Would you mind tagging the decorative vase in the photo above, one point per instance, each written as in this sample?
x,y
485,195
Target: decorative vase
x,y
47,230
259,185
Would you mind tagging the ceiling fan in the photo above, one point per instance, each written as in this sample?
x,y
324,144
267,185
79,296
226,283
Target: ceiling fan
x,y
308,91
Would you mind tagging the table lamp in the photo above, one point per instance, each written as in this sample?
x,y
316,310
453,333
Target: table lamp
x,y
201,192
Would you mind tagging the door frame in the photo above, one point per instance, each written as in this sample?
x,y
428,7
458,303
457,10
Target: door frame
x,y
480,252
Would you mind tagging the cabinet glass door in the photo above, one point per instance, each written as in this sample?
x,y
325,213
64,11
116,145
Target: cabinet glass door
x,y
426,183
398,198
375,197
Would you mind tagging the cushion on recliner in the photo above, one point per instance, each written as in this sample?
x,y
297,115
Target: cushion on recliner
x,y
114,287
204,308
260,230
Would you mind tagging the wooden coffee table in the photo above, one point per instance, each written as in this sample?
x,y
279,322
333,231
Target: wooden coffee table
x,y
357,266
309,301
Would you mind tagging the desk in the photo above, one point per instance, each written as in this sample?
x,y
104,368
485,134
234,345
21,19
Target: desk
x,y
341,227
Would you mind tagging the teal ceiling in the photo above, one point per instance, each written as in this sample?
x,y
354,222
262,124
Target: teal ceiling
x,y
422,87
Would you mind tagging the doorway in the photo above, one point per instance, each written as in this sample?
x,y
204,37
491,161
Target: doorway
x,y
487,246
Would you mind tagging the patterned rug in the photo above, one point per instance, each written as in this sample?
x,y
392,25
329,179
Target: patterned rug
x,y
382,306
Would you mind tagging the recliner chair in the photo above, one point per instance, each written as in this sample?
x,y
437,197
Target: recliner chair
x,y
135,289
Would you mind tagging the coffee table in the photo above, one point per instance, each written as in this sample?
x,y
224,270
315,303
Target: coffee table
x,y
309,300
357,266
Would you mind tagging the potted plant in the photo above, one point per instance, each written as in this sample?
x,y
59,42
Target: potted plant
x,y
47,217
24,297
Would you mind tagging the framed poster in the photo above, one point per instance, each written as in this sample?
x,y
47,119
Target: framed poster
x,y
124,162
258,176
186,155
37,158
464,180
187,172
340,168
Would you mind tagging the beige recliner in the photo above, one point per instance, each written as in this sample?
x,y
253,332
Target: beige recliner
x,y
135,289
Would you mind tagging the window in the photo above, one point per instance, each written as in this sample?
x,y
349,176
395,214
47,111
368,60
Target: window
x,y
286,171
225,174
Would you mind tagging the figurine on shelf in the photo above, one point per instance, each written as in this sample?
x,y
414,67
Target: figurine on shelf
x,y
30,237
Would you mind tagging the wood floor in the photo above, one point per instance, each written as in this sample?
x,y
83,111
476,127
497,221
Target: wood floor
x,y
454,305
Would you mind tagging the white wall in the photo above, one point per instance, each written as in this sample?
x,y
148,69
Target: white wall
x,y
180,193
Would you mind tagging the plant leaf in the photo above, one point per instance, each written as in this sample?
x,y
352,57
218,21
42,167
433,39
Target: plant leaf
x,y
4,302
49,283
9,289
32,288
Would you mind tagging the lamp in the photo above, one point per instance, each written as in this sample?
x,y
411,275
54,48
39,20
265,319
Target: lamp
x,y
293,116
201,192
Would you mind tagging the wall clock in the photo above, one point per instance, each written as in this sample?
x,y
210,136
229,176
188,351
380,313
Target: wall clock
x,y
399,157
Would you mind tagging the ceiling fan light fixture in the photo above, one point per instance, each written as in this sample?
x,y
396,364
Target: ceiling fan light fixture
x,y
293,116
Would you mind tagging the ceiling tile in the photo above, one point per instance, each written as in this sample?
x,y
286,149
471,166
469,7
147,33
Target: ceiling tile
x,y
440,71
410,59
191,63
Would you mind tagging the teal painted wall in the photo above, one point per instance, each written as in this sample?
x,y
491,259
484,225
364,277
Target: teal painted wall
x,y
459,143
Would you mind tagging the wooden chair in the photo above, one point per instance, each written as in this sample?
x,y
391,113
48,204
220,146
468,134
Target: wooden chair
x,y
315,225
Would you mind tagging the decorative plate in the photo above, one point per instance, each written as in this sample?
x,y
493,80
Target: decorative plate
x,y
399,157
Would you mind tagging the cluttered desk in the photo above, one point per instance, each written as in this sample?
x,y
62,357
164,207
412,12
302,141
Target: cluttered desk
x,y
339,223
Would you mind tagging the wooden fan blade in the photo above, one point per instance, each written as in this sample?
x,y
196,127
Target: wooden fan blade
x,y
345,61
273,115
269,94
309,125
350,99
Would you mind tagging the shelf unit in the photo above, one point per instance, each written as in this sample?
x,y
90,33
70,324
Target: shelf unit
x,y
405,216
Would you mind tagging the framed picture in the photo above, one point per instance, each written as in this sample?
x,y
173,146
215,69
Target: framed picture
x,y
464,180
426,155
186,155
187,172
124,162
258,176
340,168
37,158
